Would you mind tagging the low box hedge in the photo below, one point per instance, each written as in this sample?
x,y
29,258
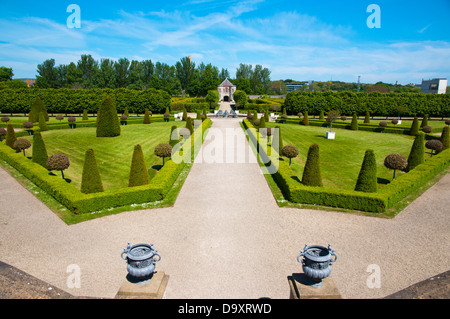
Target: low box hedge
x,y
294,191
81,203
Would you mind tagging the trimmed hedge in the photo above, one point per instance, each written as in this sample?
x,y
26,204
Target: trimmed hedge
x,y
80,203
294,191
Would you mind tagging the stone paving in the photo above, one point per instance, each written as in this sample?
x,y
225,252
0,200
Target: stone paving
x,y
225,237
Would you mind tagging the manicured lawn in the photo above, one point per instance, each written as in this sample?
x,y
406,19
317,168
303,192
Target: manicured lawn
x,y
113,154
341,158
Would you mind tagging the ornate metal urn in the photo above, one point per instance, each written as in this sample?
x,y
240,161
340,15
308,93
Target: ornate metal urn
x,y
316,263
141,259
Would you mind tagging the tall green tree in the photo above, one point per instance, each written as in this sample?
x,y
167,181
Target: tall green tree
x,y
6,74
185,71
87,67
46,74
121,66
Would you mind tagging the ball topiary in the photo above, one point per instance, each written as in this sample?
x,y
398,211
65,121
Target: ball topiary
x,y
166,117
5,119
394,121
414,127
343,118
289,151
311,173
59,117
28,126
58,162
447,122
123,119
383,124
21,144
395,162
434,145
427,129
300,114
256,122
163,150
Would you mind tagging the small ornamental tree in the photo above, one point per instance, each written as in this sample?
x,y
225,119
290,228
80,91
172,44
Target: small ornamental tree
x,y
394,121
58,162
2,133
343,118
107,121
166,117
138,171
445,138
354,124
72,120
42,124
28,126
21,144
268,133
289,151
367,118
311,173
395,162
417,153
434,145
414,127
163,150
85,115
39,150
305,120
5,119
59,117
424,121
123,119
367,178
331,117
10,136
382,124
147,117
91,181
300,115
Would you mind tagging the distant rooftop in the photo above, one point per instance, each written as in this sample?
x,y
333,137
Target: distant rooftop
x,y
226,83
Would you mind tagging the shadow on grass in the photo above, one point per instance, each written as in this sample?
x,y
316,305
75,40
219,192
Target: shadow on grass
x,y
383,181
157,167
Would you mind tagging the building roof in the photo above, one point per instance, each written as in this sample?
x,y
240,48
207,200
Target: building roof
x,y
226,83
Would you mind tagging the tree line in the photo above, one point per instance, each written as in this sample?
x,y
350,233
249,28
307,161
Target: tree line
x,y
183,77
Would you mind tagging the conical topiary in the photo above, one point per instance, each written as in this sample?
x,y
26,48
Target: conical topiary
x,y
414,127
37,106
108,124
85,115
424,121
189,125
138,171
199,115
305,118
42,123
445,138
10,136
417,153
367,118
91,181
266,115
147,117
367,178
262,122
185,116
125,112
277,140
322,116
39,150
311,173
354,124
174,136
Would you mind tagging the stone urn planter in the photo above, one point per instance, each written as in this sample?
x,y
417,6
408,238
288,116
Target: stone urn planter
x,y
141,259
316,263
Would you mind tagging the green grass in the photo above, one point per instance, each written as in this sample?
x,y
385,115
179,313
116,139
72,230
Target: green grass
x,y
341,159
113,154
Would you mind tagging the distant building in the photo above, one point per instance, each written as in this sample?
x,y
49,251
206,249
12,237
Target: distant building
x,y
438,86
294,86
28,82
226,90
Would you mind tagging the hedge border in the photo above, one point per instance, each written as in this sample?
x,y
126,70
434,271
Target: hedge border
x,y
294,191
80,203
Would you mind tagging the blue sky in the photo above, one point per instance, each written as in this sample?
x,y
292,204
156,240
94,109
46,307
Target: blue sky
x,y
302,40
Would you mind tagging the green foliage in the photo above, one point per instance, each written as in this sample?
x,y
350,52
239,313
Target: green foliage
x,y
85,115
311,173
147,117
108,124
163,150
185,116
290,151
138,171
39,150
305,118
354,124
125,112
414,127
322,115
367,178
445,138
10,136
37,106
91,181
367,118
212,97
277,140
417,153
424,121
189,125
395,162
174,136
42,122
262,122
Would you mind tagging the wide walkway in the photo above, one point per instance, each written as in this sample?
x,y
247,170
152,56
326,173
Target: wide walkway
x,y
225,236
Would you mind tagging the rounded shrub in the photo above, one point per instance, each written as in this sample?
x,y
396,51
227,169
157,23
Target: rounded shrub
x,y
395,162
91,181
58,162
59,117
434,145
427,129
21,144
10,136
166,117
394,121
383,124
417,153
5,119
28,126
256,122
39,150
138,171
163,150
367,178
311,174
343,118
123,119
2,133
72,120
107,121
300,114
447,122
289,151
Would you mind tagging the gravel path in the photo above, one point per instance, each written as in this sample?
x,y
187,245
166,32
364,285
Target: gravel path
x,y
225,236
